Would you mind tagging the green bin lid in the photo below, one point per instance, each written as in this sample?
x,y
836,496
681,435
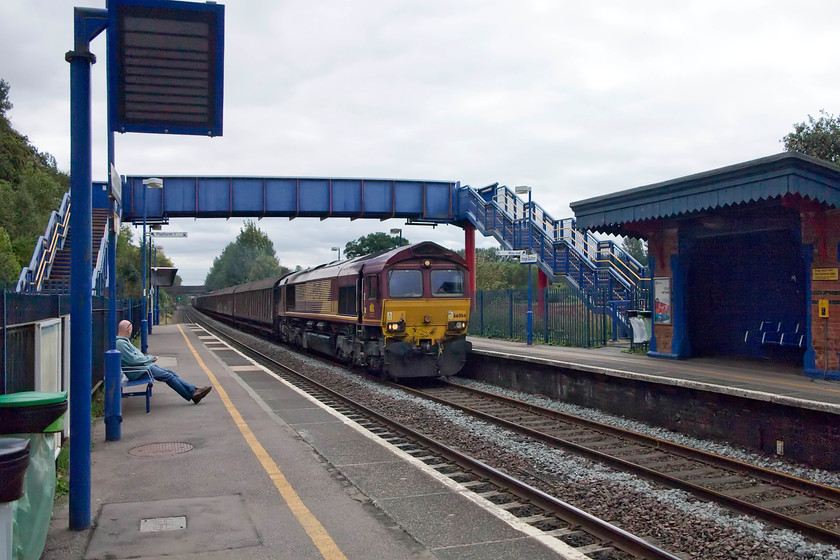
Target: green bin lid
x,y
32,398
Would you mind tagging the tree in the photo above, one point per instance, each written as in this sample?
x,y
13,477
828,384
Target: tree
x,y
372,243
636,248
251,257
9,265
493,272
819,138
30,185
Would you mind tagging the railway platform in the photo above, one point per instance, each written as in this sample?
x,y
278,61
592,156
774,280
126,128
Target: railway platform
x,y
763,405
258,471
757,379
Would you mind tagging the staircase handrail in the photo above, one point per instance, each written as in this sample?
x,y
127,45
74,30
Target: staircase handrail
x,y
32,276
100,257
621,264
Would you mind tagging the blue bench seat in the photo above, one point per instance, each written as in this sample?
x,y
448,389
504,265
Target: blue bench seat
x,y
777,332
144,383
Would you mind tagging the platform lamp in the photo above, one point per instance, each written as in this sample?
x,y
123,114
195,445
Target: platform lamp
x,y
337,249
396,231
151,183
530,317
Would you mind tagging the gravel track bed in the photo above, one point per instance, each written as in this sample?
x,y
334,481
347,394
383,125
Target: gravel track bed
x,y
672,518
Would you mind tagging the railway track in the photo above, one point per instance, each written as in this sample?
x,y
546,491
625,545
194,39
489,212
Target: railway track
x,y
780,499
587,534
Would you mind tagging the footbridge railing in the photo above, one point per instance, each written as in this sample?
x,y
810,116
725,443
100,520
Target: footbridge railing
x,y
32,277
593,265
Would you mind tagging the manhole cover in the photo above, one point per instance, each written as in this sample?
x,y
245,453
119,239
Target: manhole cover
x,y
160,448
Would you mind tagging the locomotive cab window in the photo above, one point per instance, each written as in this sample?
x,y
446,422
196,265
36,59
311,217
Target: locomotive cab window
x,y
405,283
447,283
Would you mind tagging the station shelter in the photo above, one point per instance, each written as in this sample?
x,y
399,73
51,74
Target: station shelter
x,y
744,259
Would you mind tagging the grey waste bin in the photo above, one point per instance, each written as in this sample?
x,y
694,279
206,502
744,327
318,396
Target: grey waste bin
x,y
33,415
14,459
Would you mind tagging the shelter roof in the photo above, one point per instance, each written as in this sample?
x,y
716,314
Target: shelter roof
x,y
788,173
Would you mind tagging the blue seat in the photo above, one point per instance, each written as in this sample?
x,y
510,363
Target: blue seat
x,y
146,381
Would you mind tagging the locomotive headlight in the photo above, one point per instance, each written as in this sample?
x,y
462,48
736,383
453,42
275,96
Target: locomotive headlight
x,y
457,325
395,326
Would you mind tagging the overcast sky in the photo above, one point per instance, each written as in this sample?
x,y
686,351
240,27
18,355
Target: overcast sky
x,y
576,99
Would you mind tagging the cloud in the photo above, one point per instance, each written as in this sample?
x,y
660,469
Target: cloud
x,y
575,99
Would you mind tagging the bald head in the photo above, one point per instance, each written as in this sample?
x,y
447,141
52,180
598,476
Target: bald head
x,y
124,329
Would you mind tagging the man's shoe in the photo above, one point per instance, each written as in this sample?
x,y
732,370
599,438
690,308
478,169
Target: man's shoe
x,y
200,394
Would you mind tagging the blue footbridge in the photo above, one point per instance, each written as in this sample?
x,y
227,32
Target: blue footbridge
x,y
603,273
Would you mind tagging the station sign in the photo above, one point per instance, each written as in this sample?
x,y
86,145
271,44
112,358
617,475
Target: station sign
x,y
510,253
169,234
529,259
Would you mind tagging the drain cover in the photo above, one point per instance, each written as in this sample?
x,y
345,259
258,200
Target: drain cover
x,y
157,524
160,448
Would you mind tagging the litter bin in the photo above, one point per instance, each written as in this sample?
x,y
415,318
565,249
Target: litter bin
x,y
33,415
14,459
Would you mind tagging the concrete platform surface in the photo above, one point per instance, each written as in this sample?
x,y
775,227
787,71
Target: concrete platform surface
x,y
759,379
258,471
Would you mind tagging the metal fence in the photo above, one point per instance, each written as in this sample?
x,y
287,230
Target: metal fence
x,y
20,315
561,316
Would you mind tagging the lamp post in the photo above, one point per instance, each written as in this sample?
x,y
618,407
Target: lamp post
x,y
396,231
151,183
530,316
337,249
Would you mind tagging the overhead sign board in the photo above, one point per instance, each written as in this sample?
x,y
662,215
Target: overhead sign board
x,y
169,234
529,259
510,253
165,67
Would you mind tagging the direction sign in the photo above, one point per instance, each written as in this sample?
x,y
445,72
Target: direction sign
x,y
529,259
169,234
518,253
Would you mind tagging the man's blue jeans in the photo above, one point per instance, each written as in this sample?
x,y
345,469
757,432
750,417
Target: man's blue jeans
x,y
171,378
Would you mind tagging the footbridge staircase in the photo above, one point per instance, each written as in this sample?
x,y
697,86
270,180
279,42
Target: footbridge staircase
x,y
48,271
604,273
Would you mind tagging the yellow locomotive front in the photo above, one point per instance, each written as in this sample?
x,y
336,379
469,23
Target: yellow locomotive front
x,y
424,319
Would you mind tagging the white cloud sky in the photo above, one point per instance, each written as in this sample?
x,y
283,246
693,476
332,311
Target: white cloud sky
x,y
576,99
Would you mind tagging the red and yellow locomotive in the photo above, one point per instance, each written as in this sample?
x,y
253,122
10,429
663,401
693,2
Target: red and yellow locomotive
x,y
402,313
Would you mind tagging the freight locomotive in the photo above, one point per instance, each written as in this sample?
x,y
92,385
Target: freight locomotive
x,y
399,314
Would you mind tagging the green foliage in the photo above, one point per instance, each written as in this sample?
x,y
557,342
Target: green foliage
x,y
819,138
130,266
9,265
251,257
493,272
372,243
30,189
636,248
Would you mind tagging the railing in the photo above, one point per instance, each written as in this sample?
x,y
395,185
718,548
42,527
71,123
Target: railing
x,y
32,277
588,262
98,279
560,316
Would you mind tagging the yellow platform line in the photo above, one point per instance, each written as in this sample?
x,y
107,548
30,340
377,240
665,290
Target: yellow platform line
x,y
322,540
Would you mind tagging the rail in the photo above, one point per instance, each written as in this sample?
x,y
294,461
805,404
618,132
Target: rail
x,y
609,534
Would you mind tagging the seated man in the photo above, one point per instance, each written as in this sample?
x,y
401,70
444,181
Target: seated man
x,y
131,356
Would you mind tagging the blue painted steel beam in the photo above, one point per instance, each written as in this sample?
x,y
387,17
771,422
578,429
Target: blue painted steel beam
x,y
291,197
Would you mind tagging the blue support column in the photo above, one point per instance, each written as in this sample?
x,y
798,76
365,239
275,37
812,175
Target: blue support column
x,y
144,323
113,396
530,316
80,60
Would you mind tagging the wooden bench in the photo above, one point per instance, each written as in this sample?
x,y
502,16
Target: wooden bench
x,y
777,332
145,381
